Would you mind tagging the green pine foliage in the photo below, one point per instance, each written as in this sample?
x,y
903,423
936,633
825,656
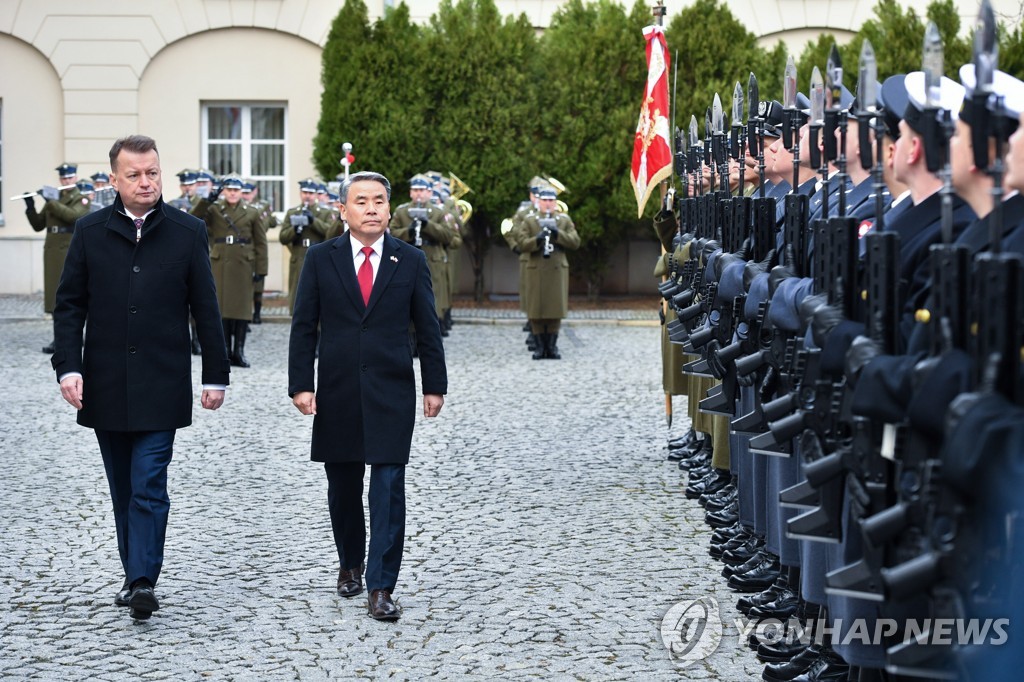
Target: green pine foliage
x,y
586,121
482,111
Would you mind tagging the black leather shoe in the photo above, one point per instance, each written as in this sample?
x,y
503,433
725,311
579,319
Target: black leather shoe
x,y
685,440
755,561
717,549
722,518
766,596
380,606
142,602
830,667
50,348
798,665
712,483
782,607
781,652
739,555
725,534
758,578
350,581
121,599
726,497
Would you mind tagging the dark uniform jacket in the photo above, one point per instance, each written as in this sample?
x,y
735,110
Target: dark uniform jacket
x,y
238,250
135,298
366,387
58,218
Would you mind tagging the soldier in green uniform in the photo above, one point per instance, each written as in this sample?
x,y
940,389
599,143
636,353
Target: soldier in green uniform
x,y
443,198
203,186
303,226
525,207
250,193
238,251
338,226
544,235
428,227
62,208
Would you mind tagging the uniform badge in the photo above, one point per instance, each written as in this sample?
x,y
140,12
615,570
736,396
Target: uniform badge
x,y
762,108
864,227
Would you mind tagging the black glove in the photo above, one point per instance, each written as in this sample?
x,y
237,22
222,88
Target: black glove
x,y
258,278
782,272
710,246
554,233
214,193
30,204
540,239
309,216
752,269
297,239
825,319
862,351
299,230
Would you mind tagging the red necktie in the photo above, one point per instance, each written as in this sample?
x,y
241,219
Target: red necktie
x,y
365,275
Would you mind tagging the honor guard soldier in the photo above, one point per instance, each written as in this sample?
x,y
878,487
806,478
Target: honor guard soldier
x,y
427,227
203,186
508,231
250,193
303,226
88,191
545,235
187,183
338,226
62,208
238,252
105,193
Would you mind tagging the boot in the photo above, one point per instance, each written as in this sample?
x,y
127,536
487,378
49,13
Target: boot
x,y
442,325
238,352
448,318
526,326
531,341
257,306
540,352
553,353
51,347
196,348
229,328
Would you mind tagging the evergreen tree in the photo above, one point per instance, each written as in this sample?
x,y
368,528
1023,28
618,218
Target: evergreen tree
x,y
377,96
586,119
481,108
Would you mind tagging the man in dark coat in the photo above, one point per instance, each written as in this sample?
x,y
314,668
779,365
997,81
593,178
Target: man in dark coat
x,y
363,290
133,272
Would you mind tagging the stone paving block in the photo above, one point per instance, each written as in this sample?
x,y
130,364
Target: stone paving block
x,y
547,534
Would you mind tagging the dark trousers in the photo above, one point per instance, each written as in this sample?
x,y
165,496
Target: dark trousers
x,y
136,465
387,519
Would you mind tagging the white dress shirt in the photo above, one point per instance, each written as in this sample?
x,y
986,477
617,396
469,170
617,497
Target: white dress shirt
x,y
357,254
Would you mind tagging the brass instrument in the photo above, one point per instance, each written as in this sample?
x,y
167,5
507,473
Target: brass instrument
x,y
546,224
420,215
459,190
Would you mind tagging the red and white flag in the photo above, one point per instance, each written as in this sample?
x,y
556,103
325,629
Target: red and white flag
x,y
652,148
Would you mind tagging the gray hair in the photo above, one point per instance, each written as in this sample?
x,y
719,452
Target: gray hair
x,y
363,176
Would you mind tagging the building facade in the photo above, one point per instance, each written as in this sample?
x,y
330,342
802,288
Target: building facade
x,y
230,85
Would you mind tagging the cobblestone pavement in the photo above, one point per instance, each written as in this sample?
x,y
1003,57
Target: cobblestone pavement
x,y
547,534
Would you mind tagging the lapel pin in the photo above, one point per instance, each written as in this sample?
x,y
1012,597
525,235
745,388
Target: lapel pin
x,y
395,259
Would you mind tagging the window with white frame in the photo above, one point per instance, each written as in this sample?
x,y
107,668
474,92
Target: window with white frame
x,y
248,139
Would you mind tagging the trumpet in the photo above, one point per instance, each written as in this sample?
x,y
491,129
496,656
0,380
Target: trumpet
x,y
546,224
42,192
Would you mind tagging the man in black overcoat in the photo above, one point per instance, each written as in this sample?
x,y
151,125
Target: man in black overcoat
x,y
133,272
363,290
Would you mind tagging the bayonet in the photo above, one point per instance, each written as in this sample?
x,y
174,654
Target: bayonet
x,y
817,97
867,83
717,115
789,103
986,48
932,63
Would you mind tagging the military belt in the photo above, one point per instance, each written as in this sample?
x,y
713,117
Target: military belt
x,y
232,240
58,229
